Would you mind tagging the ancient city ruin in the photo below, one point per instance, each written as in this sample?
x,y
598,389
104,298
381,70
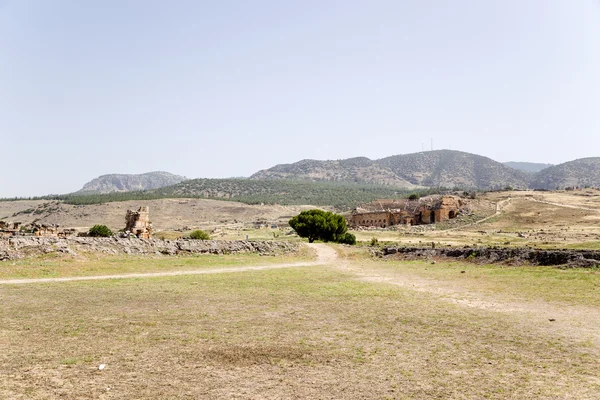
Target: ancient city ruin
x,y
138,223
34,229
385,213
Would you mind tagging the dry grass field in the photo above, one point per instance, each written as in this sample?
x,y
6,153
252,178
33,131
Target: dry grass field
x,y
347,326
351,328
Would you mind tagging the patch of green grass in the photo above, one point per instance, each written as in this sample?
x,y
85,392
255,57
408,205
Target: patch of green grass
x,y
592,245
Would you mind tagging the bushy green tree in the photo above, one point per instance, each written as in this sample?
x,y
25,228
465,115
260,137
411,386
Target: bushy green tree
x,y
100,231
319,225
199,235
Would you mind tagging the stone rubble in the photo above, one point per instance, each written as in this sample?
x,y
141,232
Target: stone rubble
x,y
490,255
17,247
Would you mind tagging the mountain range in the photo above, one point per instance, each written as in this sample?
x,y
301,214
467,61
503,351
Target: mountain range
x,y
440,168
430,169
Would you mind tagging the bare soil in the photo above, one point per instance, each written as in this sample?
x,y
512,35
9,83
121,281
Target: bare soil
x,y
165,214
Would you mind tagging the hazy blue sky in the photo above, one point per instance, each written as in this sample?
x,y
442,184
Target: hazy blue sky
x,y
225,88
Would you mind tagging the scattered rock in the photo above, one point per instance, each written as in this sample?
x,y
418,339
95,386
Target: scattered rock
x,y
513,256
21,246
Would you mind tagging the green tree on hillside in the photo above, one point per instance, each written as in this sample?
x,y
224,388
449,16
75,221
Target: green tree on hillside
x,y
319,225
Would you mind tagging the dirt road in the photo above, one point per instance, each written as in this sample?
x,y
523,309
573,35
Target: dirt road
x,y
156,274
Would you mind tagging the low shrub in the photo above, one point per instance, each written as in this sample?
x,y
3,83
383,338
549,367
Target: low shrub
x,y
199,235
100,231
347,238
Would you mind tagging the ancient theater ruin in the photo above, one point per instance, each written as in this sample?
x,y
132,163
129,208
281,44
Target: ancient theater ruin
x,y
385,213
138,223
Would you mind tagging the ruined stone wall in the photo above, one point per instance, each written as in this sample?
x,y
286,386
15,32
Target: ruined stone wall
x,y
24,246
45,230
511,256
424,216
379,219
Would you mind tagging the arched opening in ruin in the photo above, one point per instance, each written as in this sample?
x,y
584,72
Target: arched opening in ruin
x,y
452,214
432,217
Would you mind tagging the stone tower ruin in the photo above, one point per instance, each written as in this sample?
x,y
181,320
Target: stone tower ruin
x,y
138,222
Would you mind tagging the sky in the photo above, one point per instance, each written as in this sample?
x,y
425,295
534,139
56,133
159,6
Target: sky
x,y
212,89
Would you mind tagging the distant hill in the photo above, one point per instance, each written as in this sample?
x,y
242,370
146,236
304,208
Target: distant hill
x,y
527,167
130,182
578,173
449,168
440,168
358,170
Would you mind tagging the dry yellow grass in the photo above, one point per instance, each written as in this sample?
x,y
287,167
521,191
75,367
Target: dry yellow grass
x,y
315,332
354,328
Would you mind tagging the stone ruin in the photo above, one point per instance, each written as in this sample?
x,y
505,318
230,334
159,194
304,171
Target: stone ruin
x,y
10,226
34,229
138,223
427,210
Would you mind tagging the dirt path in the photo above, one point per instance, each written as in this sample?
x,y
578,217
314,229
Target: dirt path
x,y
325,255
158,274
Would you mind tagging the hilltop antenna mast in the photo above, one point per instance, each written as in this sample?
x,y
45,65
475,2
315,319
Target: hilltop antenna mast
x,y
431,144
422,146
